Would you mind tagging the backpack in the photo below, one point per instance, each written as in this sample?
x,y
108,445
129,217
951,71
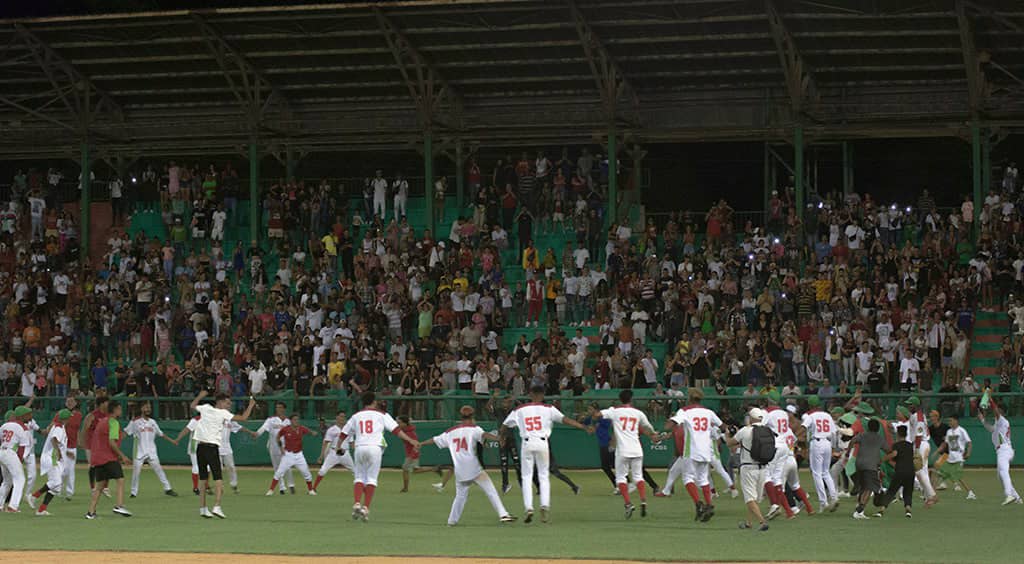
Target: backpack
x,y
762,445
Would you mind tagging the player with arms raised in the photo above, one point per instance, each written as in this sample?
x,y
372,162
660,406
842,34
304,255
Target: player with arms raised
x,y
463,441
534,421
368,427
699,421
627,424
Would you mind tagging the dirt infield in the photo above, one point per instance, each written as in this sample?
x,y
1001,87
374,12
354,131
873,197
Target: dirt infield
x,y
47,557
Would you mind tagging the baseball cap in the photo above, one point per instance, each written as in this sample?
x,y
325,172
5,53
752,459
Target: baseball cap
x,y
864,409
903,411
774,396
756,415
791,408
813,401
64,414
837,411
912,400
849,418
8,414
22,410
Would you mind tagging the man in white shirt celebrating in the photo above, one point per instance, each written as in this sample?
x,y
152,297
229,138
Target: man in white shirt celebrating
x,y
1000,429
208,434
272,426
534,421
628,423
145,430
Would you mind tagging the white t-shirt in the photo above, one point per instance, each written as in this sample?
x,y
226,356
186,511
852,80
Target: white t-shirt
x,y
534,420
626,423
225,439
1001,433
698,421
909,368
956,443
368,427
60,434
145,431
461,441
210,426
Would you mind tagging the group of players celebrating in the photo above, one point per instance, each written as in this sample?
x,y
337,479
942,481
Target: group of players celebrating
x,y
880,460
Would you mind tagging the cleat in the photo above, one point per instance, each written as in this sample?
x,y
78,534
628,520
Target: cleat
x,y
171,493
529,516
908,515
957,488
860,515
773,512
575,490
643,509
630,508
234,489
312,492
43,513
763,527
616,492
543,514
195,491
31,501
715,494
89,516
11,510
879,514
357,511
734,493
970,495
270,493
132,496
439,487
506,488
844,495
1009,499
291,489
709,512
942,485
218,512
205,513
833,506
744,525
795,510
1019,501
700,511
281,492
121,511
660,494
364,513
931,501
508,519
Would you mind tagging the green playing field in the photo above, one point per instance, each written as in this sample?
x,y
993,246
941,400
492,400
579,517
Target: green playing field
x,y
589,525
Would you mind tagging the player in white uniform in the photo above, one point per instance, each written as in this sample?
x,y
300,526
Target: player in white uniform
x,y
272,426
31,428
334,452
145,430
368,427
778,421
922,446
52,462
227,454
698,421
534,421
12,448
1000,429
821,442
191,450
628,423
290,438
791,472
462,441
958,444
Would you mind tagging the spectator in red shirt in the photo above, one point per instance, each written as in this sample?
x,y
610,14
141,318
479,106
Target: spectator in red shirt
x,y
412,455
290,438
106,459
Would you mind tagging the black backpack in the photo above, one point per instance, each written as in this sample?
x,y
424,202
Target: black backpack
x,y
762,444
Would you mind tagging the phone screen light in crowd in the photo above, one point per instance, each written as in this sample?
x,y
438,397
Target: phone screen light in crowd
x,y
894,207
135,180
908,209
776,240
821,205
750,256
783,295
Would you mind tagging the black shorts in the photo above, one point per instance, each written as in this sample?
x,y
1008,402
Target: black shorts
x,y
867,480
208,460
109,471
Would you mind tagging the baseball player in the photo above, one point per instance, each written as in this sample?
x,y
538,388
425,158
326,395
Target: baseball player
x,y
628,423
368,427
843,435
778,421
191,449
71,427
680,465
534,421
272,426
821,438
145,430
791,470
463,442
699,421
12,448
922,446
290,438
227,454
52,463
1000,429
31,467
334,452
958,444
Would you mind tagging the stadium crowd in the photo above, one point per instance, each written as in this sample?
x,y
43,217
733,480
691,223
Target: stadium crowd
x,y
346,294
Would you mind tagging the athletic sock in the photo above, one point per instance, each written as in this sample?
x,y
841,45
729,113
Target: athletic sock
x,y
706,490
624,490
800,493
273,484
309,485
641,488
691,488
46,500
195,481
357,491
317,483
782,497
369,494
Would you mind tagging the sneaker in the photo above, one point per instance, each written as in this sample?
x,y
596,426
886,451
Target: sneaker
x,y
43,513
544,514
1009,499
643,509
312,492
860,515
957,488
878,514
529,516
89,516
942,485
844,495
734,493
31,501
908,515
508,519
106,492
630,508
773,512
744,525
205,513
291,489
364,513
132,496
970,495
121,511
439,487
575,490
506,488
357,511
270,493
795,510
218,512
171,493
763,527
931,501
660,494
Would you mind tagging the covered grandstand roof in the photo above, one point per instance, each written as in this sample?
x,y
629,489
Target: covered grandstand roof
x,y
507,72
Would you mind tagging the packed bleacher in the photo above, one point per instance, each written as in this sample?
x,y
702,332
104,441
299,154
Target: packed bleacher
x,y
528,284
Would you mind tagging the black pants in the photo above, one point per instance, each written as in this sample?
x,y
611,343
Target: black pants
x,y
898,482
554,471
608,463
509,455
208,459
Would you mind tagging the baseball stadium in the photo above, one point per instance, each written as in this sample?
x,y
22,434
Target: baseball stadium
x,y
486,281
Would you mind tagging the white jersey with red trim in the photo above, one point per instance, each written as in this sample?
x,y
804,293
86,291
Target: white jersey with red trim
x,y
819,425
698,421
534,420
368,427
273,426
462,442
12,436
626,423
778,421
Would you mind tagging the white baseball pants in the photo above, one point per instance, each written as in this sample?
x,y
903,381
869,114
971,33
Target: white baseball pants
x,y
14,477
293,460
792,473
154,463
535,453
275,458
922,475
367,465
227,463
30,471
333,459
462,494
1004,456
716,465
775,472
69,472
820,457
696,473
628,467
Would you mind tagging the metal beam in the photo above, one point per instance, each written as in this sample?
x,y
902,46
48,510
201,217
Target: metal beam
x,y
611,82
429,90
799,81
975,77
82,99
256,95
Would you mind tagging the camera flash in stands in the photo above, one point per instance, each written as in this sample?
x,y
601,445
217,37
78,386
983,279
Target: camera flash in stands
x,y
894,207
908,209
750,256
821,205
776,240
135,180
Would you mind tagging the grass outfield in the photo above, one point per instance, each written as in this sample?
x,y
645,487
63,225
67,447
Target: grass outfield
x,y
590,525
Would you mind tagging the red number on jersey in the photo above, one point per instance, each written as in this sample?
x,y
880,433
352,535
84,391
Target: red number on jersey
x,y
366,427
8,435
533,423
823,425
783,426
700,424
460,444
628,423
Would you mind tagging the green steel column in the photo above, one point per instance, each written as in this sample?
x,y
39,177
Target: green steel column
x,y
428,178
613,180
460,177
768,180
798,168
986,163
254,191
847,168
289,164
976,173
86,187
